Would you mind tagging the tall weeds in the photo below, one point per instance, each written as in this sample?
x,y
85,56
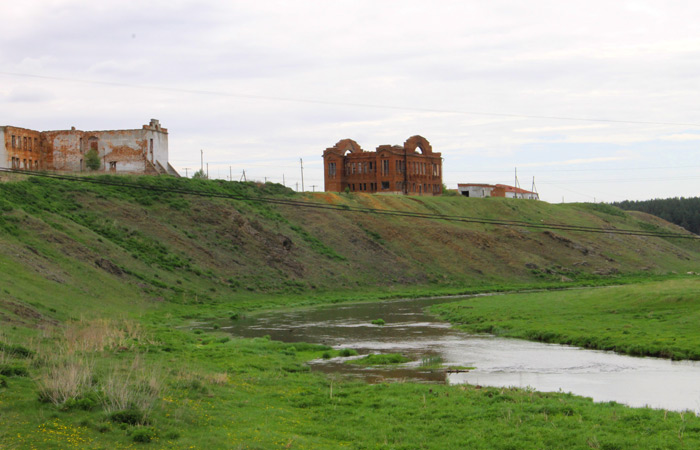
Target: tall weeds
x,y
100,335
66,379
67,370
130,386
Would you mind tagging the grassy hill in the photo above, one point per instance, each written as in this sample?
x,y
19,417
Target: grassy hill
x,y
120,248
100,286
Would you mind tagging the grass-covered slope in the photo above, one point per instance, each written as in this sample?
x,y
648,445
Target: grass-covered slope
x,y
114,247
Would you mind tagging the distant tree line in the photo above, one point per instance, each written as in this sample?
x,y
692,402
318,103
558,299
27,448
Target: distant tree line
x,y
681,211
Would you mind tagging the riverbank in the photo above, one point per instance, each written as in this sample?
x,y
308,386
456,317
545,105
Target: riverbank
x,y
647,319
189,388
204,391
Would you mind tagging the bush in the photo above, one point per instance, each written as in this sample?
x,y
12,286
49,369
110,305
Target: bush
x,y
13,370
16,350
379,322
92,160
131,416
87,402
3,381
348,352
143,434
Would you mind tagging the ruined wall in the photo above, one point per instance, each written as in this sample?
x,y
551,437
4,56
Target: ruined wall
x,y
157,145
23,149
64,149
121,150
4,158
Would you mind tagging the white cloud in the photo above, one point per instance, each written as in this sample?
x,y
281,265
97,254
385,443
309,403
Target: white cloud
x,y
23,94
681,137
561,128
629,61
573,162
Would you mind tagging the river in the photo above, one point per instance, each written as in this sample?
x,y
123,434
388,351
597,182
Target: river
x,y
603,376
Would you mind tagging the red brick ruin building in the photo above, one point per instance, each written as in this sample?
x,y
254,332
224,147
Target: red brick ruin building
x,y
140,151
412,169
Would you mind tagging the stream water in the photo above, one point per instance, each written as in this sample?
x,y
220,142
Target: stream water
x,y
603,376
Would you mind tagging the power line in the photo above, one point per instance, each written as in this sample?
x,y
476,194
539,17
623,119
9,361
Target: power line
x,y
339,103
345,208
615,169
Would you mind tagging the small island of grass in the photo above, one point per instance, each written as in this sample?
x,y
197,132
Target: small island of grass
x,y
381,359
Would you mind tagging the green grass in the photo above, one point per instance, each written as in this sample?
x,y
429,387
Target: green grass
x,y
380,359
259,394
647,319
105,282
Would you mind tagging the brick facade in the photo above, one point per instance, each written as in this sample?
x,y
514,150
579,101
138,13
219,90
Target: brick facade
x,y
141,151
409,169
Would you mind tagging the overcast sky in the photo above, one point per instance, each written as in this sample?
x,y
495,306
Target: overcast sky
x,y
597,100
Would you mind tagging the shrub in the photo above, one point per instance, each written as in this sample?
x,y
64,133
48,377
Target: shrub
x,y
65,380
16,350
143,434
199,175
130,388
348,352
92,160
14,370
379,322
87,402
130,416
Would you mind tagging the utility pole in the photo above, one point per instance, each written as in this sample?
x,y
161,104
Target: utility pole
x,y
265,180
243,178
297,186
313,188
283,182
202,161
230,174
534,188
516,182
207,171
186,169
301,162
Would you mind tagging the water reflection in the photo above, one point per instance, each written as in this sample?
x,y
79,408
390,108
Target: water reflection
x,y
602,376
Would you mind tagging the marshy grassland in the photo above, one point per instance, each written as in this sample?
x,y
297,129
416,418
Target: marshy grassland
x,y
101,289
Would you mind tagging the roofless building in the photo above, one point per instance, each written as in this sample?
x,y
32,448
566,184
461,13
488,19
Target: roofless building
x,y
412,169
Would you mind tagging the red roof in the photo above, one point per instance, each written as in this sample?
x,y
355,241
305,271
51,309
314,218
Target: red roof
x,y
517,190
505,187
475,185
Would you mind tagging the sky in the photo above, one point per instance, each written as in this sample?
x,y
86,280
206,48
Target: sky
x,y
593,100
